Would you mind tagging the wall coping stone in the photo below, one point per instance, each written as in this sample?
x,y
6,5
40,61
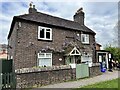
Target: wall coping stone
x,y
39,69
95,64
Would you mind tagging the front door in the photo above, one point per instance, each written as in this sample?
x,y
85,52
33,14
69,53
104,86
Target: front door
x,y
78,59
73,59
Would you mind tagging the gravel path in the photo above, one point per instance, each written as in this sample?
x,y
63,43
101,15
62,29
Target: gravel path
x,y
83,82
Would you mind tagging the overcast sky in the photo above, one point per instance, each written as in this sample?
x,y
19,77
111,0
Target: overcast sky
x,y
101,17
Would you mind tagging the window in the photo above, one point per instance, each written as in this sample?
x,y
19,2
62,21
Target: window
x,y
85,38
44,33
19,24
44,59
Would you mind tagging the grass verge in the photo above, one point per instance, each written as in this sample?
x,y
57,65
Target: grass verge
x,y
106,84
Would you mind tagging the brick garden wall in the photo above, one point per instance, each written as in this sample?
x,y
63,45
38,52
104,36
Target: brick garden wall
x,y
36,77
43,76
94,70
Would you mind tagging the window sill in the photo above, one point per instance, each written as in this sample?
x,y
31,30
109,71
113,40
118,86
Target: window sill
x,y
40,39
85,43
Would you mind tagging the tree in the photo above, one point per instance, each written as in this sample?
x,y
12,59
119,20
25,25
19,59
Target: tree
x,y
115,51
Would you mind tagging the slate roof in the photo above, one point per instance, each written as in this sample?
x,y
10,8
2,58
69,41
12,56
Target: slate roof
x,y
51,20
98,44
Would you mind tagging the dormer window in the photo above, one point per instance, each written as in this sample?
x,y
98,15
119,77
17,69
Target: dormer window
x,y
44,33
85,38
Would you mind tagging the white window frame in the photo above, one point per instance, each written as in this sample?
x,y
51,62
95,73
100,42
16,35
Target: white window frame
x,y
45,30
45,56
87,38
76,50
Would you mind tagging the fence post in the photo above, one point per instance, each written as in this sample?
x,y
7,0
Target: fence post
x,y
0,81
0,74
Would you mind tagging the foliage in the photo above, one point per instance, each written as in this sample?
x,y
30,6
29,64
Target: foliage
x,y
3,59
115,51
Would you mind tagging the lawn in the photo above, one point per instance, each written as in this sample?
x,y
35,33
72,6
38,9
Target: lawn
x,y
106,84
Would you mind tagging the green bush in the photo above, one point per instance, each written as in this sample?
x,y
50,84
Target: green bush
x,y
115,51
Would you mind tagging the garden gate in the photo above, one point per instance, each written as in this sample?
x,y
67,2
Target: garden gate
x,y
7,74
82,71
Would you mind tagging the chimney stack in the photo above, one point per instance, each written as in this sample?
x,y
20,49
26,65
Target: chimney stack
x,y
32,8
79,16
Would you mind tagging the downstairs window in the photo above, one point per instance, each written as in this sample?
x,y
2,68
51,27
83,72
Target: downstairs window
x,y
44,59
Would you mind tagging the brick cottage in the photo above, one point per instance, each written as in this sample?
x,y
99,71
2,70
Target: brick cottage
x,y
38,39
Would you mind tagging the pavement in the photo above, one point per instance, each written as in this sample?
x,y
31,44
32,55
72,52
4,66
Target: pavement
x,y
87,81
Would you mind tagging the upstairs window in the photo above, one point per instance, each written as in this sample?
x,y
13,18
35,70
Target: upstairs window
x,y
85,38
44,33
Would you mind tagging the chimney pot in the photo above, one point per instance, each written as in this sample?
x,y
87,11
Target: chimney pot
x,y
32,8
30,4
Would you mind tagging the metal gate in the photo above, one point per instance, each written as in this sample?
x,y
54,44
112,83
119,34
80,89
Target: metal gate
x,y
82,71
7,74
